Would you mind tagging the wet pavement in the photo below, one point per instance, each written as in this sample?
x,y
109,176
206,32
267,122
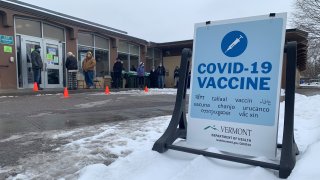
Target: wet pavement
x,y
40,113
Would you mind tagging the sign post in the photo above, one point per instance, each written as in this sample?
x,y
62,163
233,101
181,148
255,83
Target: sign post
x,y
235,91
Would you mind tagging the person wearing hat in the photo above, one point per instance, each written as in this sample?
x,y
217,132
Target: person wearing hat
x,y
140,74
72,67
37,65
88,65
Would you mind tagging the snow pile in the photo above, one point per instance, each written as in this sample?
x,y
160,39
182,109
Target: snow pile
x,y
145,164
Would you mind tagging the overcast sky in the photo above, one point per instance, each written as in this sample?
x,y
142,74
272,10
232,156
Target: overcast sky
x,y
162,20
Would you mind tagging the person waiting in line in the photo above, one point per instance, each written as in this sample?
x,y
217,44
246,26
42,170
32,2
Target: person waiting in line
x,y
153,78
133,68
161,72
72,68
88,66
176,76
140,74
117,72
37,65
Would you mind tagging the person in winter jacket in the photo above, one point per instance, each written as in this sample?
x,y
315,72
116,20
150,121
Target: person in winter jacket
x,y
153,78
117,73
72,68
37,65
161,72
140,74
88,66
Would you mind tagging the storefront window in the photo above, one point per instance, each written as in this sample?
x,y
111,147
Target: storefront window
x,y
123,47
125,59
28,27
53,32
85,39
82,52
134,61
129,54
100,52
102,58
101,42
134,50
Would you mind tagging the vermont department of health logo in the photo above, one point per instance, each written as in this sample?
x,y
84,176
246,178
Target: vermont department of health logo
x,y
234,43
211,127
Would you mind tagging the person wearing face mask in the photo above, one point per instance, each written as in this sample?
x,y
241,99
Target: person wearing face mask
x,y
88,65
37,65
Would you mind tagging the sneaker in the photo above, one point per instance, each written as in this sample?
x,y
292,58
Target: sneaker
x,y
40,88
91,87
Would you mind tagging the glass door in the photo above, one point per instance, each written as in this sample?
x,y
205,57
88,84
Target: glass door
x,y
27,46
51,54
53,66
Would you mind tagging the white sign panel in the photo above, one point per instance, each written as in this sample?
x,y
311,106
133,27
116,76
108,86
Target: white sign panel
x,y
235,88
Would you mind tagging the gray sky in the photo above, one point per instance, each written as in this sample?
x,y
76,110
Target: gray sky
x,y
162,20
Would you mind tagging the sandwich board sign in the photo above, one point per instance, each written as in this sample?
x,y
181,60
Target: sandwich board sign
x,y
235,88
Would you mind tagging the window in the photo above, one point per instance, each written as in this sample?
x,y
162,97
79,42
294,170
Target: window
x,y
99,47
28,27
101,42
123,47
53,32
102,66
82,52
129,55
134,50
85,39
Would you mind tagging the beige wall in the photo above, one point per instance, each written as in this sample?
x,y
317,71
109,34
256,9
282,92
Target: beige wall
x,y
170,63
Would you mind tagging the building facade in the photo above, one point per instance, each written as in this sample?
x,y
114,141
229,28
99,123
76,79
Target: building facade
x,y
22,26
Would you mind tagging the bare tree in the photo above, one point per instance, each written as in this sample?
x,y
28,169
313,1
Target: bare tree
x,y
306,17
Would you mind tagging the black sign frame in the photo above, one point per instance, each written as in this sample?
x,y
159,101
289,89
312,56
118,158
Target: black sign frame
x,y
178,125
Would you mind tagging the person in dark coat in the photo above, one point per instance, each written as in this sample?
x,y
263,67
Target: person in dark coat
x,y
37,65
72,68
161,72
153,78
117,72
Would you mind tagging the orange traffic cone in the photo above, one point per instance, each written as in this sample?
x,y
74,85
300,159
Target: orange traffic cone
x,y
65,93
107,91
35,87
146,89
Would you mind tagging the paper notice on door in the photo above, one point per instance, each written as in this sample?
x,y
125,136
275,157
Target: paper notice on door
x,y
49,56
56,59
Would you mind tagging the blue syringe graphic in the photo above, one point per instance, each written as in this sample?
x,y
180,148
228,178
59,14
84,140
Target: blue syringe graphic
x,y
235,42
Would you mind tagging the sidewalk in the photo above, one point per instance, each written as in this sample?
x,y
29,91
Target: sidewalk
x,y
26,92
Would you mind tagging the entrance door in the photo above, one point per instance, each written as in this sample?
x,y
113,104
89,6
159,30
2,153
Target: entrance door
x,y
51,54
53,65
27,46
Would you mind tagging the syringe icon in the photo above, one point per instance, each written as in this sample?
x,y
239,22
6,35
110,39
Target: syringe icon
x,y
235,42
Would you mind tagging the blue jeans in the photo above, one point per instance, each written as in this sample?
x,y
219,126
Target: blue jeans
x,y
88,77
160,81
37,76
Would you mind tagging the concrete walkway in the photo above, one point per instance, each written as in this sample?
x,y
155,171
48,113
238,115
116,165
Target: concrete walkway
x,y
25,92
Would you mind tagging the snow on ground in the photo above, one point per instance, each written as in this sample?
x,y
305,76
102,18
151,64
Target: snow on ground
x,y
122,150
153,91
173,165
313,84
